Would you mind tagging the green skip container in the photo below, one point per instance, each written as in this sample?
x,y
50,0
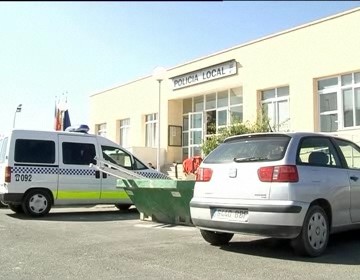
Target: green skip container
x,y
164,201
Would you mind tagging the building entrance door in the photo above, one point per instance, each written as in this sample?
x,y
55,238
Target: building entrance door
x,y
192,138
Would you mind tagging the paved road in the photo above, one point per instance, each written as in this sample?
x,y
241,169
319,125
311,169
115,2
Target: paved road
x,y
103,243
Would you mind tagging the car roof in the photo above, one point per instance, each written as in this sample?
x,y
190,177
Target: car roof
x,y
298,134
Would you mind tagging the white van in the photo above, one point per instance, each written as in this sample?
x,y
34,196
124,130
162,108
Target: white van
x,y
39,169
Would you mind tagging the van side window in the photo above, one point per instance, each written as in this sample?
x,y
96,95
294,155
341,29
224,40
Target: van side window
x,y
78,153
139,165
117,156
34,151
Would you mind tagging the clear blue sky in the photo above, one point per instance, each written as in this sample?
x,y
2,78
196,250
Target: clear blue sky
x,y
50,48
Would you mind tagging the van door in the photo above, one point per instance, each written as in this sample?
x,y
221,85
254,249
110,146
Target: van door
x,y
110,191
78,183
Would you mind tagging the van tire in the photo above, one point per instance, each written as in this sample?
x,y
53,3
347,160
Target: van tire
x,y
36,203
123,207
3,204
17,208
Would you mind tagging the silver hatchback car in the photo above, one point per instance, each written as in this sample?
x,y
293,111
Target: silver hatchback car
x,y
299,186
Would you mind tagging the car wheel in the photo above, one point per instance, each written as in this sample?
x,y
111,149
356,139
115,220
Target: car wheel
x,y
123,207
216,238
314,236
17,208
36,203
3,204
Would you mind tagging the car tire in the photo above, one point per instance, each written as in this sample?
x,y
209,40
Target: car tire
x,y
216,238
123,207
314,235
17,208
37,203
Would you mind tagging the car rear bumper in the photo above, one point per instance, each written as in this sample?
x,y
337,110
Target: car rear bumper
x,y
281,219
262,230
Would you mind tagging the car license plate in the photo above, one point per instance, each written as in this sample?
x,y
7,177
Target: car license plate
x,y
231,215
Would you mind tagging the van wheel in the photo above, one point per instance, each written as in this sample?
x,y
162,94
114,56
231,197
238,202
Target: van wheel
x,y
36,203
123,207
216,238
314,236
17,208
3,204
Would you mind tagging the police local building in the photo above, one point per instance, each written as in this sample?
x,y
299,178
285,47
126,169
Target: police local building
x,y
306,79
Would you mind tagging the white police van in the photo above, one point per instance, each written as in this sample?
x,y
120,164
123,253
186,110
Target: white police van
x,y
39,169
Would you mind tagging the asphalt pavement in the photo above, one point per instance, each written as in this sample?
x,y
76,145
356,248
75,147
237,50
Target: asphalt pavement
x,y
104,243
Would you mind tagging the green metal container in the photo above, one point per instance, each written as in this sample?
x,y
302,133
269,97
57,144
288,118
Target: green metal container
x,y
165,201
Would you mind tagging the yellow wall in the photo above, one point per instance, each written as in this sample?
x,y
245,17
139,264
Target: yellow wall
x,y
295,57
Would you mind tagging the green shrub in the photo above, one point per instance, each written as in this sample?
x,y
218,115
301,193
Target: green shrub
x,y
236,128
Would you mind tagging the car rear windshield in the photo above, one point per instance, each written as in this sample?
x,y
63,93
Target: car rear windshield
x,y
250,149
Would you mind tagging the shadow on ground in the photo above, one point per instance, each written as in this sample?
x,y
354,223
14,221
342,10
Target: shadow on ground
x,y
343,248
81,215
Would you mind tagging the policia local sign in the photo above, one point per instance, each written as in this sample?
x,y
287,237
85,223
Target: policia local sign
x,y
217,71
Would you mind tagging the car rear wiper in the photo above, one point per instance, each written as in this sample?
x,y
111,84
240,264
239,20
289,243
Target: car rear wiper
x,y
247,159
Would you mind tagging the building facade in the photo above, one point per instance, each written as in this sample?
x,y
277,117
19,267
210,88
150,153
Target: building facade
x,y
305,79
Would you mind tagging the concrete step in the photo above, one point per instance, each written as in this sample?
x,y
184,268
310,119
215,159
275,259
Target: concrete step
x,y
170,170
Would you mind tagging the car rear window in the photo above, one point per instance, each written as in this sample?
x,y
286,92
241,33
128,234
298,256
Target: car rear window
x,y
250,149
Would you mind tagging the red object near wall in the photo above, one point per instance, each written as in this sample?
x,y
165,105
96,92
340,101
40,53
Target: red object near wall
x,y
190,165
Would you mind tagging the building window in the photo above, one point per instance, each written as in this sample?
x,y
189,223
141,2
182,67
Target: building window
x,y
205,115
275,103
125,133
101,129
236,105
151,124
339,99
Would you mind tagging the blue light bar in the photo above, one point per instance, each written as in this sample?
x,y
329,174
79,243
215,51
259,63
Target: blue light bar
x,y
79,128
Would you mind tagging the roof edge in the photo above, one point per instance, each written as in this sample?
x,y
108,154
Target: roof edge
x,y
331,17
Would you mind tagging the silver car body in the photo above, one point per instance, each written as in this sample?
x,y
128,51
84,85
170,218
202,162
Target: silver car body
x,y
278,209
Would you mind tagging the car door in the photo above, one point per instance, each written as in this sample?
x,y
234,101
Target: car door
x,y
323,175
351,154
78,183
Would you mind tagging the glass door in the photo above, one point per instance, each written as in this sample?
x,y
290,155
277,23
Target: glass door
x,y
193,136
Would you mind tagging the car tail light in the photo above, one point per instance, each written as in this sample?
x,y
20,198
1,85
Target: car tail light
x,y
8,174
203,174
280,173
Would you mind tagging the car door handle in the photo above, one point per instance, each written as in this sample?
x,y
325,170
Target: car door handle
x,y
354,178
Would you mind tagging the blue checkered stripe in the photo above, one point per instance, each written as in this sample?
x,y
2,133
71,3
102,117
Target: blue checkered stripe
x,y
34,170
77,172
53,171
153,175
